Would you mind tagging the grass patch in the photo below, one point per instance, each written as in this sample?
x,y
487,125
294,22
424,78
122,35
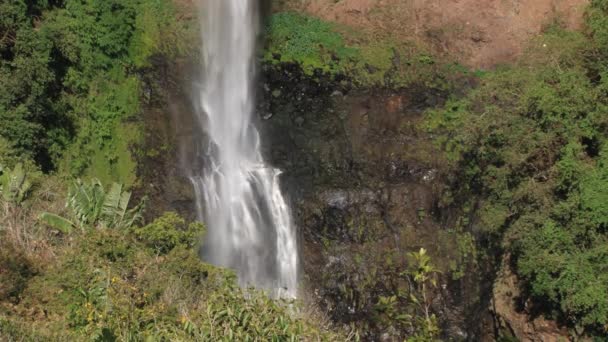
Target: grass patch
x,y
320,46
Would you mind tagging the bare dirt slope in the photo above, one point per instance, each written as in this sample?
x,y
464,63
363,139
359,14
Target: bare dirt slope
x,y
478,33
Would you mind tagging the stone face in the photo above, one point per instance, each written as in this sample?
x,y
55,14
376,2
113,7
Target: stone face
x,y
168,143
364,185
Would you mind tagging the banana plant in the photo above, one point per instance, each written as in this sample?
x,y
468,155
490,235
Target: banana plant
x,y
57,222
115,210
92,206
86,201
14,184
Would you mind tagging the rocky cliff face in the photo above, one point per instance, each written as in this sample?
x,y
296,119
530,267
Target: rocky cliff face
x,y
364,180
365,185
512,317
478,33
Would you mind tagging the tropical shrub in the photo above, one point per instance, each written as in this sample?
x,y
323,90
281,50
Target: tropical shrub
x,y
92,206
169,231
411,309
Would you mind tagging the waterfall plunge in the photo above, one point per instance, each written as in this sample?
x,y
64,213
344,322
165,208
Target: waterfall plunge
x,y
238,195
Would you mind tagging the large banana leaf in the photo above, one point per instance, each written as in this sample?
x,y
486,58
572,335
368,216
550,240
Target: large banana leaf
x,y
111,205
57,222
135,215
93,206
112,199
14,184
86,201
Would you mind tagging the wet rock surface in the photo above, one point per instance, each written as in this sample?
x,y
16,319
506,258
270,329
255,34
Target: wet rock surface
x,y
365,186
364,182
169,130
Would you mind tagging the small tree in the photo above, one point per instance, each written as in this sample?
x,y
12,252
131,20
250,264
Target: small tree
x,y
425,275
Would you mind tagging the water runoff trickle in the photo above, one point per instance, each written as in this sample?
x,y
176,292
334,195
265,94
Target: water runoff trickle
x,y
238,195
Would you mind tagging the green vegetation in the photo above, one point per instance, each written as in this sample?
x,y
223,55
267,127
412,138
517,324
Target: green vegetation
x,y
168,232
321,47
71,91
91,205
112,285
69,79
531,145
418,298
14,184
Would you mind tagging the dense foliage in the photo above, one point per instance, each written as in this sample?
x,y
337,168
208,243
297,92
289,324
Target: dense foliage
x,y
69,79
112,285
530,151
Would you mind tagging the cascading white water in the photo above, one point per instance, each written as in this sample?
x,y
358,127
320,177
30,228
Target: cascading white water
x,y
238,195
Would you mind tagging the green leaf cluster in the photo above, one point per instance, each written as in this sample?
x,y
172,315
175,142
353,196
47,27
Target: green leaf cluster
x,y
92,206
169,231
308,40
14,184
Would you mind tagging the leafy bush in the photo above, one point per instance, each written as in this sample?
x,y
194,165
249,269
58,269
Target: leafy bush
x,y
308,40
597,22
14,184
168,232
68,78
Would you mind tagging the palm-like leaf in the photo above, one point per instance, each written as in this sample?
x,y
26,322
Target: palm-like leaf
x,y
57,222
92,205
86,201
135,216
111,204
14,184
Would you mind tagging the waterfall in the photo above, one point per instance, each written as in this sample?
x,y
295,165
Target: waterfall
x,y
238,194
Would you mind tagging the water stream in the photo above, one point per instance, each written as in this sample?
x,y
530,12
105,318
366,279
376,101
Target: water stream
x,y
238,194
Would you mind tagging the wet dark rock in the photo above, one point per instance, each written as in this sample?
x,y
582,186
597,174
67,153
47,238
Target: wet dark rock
x,y
169,130
365,184
363,181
